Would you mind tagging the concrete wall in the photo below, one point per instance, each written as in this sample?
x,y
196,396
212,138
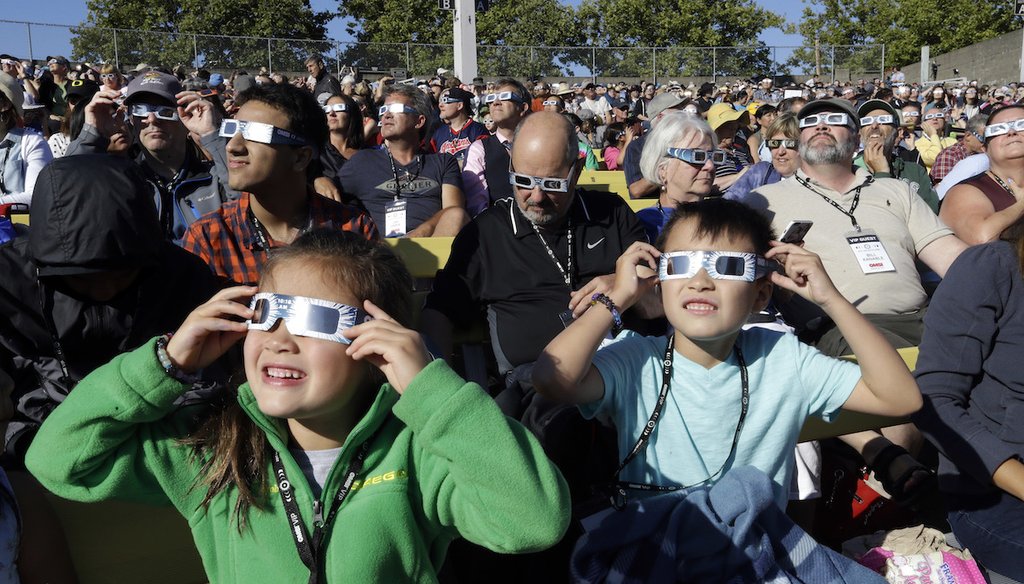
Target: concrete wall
x,y
995,61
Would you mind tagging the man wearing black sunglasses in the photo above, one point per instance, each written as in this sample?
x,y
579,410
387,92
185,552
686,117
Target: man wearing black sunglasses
x,y
187,186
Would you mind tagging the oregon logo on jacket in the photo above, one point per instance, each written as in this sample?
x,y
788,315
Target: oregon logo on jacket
x,y
380,479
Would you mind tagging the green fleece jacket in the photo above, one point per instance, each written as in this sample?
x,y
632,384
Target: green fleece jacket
x,y
911,173
445,463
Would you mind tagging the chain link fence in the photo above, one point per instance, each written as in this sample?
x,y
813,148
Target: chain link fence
x,y
128,48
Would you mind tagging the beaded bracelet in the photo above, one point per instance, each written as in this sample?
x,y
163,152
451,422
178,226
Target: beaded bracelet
x,y
169,367
616,317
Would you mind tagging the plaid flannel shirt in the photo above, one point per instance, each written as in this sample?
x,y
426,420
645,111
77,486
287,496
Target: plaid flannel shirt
x,y
946,160
226,240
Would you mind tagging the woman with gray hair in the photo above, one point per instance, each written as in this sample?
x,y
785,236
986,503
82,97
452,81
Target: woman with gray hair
x,y
678,156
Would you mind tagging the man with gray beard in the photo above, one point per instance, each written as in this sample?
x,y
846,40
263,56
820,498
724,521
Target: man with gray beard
x,y
869,231
878,124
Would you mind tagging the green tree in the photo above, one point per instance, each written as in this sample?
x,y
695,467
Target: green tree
x,y
170,32
902,25
677,23
507,24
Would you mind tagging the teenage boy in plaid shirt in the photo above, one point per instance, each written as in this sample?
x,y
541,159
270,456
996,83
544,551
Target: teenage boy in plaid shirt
x,y
275,135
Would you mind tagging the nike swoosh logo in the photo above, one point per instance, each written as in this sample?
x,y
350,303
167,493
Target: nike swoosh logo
x,y
595,244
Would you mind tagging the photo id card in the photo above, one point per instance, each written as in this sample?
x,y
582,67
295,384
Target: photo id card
x,y
394,218
869,251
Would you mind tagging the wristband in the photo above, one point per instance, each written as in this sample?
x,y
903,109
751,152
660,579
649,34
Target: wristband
x,y
616,317
170,369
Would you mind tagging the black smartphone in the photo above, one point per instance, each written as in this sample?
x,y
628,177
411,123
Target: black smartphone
x,y
796,231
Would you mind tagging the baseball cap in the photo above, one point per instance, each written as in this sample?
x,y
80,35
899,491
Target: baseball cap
x,y
243,82
155,83
722,113
462,95
662,102
216,79
84,89
589,86
875,104
830,105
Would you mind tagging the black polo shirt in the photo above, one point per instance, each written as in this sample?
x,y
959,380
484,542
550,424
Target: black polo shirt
x,y
499,268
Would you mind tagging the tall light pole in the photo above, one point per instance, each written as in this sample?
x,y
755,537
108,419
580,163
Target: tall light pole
x,y
465,40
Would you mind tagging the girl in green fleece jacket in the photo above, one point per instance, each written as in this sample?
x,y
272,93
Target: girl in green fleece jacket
x,y
320,469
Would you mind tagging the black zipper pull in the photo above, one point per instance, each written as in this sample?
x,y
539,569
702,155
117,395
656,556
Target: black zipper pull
x,y
318,514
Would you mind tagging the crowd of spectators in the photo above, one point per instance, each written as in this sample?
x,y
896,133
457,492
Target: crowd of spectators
x,y
149,190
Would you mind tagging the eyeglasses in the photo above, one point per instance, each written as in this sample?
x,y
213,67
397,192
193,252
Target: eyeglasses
x,y
697,156
829,119
883,119
396,108
934,116
720,265
305,317
1004,128
503,96
790,144
335,107
259,132
550,184
551,102
108,75
162,112
911,115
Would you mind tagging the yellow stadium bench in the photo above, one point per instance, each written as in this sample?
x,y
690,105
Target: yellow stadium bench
x,y
849,422
423,256
609,181
638,204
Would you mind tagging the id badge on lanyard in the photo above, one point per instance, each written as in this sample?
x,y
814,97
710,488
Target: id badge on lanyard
x,y
869,251
394,218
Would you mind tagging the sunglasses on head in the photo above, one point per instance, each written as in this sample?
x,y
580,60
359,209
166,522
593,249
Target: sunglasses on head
x,y
259,132
528,181
774,144
829,119
335,107
1004,128
305,317
162,112
697,155
934,116
502,96
883,119
397,108
720,265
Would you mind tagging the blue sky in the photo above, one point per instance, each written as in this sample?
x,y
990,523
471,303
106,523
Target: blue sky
x,y
46,40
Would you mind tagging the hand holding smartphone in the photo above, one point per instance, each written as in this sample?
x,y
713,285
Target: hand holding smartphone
x,y
796,231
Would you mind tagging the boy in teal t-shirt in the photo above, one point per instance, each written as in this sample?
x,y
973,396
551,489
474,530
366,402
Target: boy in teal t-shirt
x,y
732,397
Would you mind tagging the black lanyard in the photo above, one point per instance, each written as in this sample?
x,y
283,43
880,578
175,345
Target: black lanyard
x,y
1002,184
410,178
260,232
566,271
853,207
645,435
311,548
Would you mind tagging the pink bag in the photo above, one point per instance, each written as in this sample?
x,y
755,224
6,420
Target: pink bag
x,y
934,567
